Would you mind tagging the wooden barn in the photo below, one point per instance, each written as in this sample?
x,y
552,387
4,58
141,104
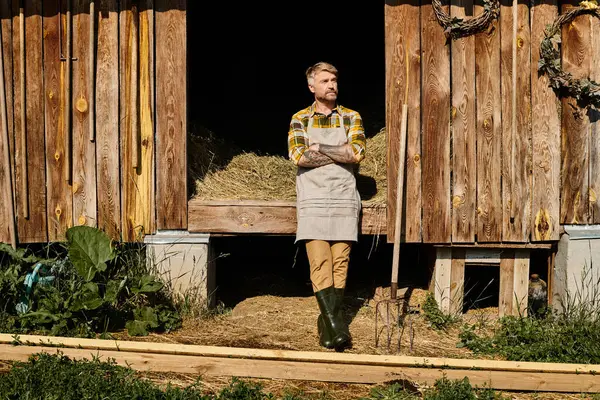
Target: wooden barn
x,y
99,98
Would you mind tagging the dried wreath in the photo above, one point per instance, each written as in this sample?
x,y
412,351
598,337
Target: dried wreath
x,y
455,27
585,91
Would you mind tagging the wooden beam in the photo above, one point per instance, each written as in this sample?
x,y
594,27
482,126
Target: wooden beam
x,y
84,151
403,85
442,281
293,355
457,281
30,130
171,113
489,131
107,119
463,130
324,366
545,134
59,197
264,217
577,59
542,246
435,109
516,120
505,297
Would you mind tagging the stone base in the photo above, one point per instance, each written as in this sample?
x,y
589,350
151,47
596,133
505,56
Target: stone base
x,y
577,267
185,261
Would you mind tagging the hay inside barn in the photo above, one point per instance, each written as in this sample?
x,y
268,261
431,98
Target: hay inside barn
x,y
221,172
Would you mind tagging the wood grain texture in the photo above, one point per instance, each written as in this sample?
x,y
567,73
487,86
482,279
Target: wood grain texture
x,y
457,281
594,191
507,270
171,112
435,103
464,153
576,58
545,123
137,109
489,131
84,150
33,228
403,71
516,121
60,199
7,177
264,217
107,118
146,201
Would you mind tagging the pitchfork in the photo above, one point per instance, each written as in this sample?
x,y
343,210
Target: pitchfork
x,y
391,309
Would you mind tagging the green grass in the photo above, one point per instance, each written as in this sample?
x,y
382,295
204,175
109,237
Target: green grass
x,y
58,377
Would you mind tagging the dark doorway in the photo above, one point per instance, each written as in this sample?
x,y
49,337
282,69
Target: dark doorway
x,y
247,63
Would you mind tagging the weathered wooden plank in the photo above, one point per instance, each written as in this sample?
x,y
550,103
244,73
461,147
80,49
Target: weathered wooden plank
x,y
545,134
594,205
489,130
84,150
442,278
146,202
463,130
137,129
505,297
7,224
60,199
437,221
516,120
576,58
107,118
319,370
264,217
171,110
33,228
457,281
521,282
403,84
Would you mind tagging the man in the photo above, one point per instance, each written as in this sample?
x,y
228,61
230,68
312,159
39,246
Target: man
x,y
326,141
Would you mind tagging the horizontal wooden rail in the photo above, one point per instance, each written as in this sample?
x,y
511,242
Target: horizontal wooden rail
x,y
303,365
264,217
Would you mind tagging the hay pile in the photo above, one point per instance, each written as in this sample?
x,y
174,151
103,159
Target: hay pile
x,y
248,176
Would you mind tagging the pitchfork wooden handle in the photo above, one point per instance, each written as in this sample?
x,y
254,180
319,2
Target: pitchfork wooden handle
x,y
399,195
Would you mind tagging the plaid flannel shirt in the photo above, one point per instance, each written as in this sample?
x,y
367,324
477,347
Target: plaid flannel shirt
x,y
298,141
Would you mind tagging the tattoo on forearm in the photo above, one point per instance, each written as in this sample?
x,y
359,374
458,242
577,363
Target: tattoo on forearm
x,y
341,154
312,158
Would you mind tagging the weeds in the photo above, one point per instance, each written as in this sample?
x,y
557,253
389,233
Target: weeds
x,y
55,376
436,318
568,334
91,285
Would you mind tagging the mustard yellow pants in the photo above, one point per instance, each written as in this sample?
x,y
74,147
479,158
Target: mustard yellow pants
x,y
328,263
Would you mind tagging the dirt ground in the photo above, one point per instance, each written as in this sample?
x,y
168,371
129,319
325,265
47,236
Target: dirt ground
x,y
266,301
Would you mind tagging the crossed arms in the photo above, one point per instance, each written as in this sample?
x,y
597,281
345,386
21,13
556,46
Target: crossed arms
x,y
318,155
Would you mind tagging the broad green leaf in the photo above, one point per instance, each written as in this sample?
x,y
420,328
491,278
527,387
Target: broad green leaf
x,y
147,284
136,328
89,250
148,315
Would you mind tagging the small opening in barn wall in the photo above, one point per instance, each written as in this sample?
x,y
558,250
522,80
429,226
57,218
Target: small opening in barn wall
x,y
481,286
246,73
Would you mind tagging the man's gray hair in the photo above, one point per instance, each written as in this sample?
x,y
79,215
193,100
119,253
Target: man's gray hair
x,y
318,67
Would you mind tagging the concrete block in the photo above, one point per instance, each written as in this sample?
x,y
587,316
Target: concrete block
x,y
576,274
186,262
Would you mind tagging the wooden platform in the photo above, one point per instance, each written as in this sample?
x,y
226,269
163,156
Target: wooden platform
x,y
264,217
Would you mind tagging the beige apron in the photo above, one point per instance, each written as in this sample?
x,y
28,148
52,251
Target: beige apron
x,y
328,202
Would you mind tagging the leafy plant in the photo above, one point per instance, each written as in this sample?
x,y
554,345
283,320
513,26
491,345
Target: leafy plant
x,y
436,318
96,285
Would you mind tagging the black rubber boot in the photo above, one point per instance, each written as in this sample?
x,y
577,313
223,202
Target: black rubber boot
x,y
325,334
344,331
332,321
